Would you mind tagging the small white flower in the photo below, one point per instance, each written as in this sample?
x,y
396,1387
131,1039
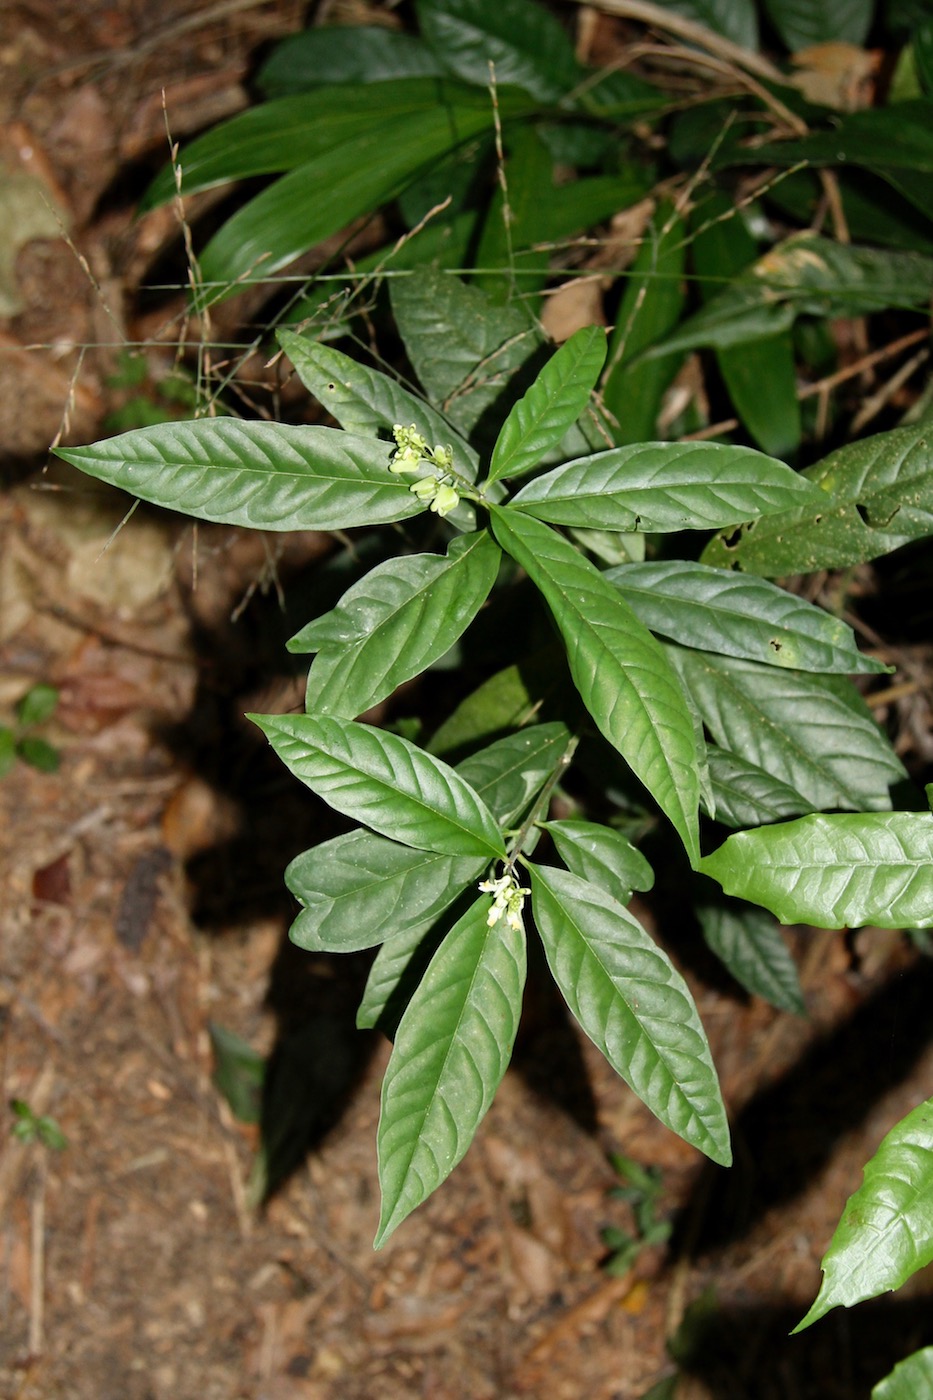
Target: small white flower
x,y
509,899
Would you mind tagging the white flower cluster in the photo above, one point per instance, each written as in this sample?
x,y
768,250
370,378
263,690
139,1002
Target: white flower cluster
x,y
509,900
410,452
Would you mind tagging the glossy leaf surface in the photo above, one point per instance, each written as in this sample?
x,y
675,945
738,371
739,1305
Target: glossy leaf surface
x,y
602,856
665,486
403,616
633,1004
361,889
910,1379
553,404
452,1048
738,615
802,24
344,53
385,782
621,672
886,1231
364,401
261,475
322,196
837,871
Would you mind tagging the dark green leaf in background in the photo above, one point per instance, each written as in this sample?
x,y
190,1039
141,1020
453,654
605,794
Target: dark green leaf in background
x,y
803,23
745,795
464,347
735,19
752,947
722,248
814,733
879,496
524,42
344,53
650,307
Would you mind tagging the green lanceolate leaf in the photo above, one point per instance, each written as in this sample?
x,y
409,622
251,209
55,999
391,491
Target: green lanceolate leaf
x,y
736,19
361,889
837,871
464,347
752,947
602,856
745,795
878,496
661,486
261,475
910,1379
321,197
393,624
552,405
524,42
814,733
290,131
886,1231
452,1048
621,672
735,615
633,1005
385,782
364,401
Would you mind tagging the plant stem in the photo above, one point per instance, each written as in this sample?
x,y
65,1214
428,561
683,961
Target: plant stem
x,y
543,802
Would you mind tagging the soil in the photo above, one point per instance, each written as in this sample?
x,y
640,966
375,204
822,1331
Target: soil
x,y
144,907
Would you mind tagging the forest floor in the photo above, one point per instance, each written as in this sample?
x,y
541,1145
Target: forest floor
x,y
143,906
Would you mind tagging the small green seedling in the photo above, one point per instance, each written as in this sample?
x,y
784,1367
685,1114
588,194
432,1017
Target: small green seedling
x,y
29,1127
642,1190
35,708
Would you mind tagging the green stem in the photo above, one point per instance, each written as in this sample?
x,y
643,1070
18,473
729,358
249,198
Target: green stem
x,y
543,802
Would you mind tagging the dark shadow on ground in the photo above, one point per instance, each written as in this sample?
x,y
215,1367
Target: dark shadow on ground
x,y
748,1354
786,1134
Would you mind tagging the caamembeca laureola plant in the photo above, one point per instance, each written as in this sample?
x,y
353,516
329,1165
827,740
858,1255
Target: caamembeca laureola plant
x,y
699,690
